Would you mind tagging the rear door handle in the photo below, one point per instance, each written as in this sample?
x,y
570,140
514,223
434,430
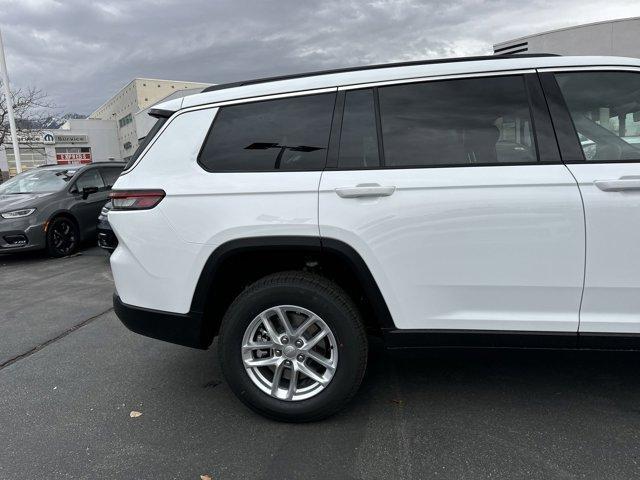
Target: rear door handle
x,y
365,190
631,182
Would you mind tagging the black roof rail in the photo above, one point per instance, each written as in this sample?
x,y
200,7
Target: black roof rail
x,y
242,83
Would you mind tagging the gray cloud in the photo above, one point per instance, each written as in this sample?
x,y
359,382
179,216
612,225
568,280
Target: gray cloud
x,y
81,52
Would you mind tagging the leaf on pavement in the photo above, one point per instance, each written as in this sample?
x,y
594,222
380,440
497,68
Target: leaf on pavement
x,y
135,414
205,477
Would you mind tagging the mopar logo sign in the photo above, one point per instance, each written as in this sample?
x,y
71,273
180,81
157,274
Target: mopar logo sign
x,y
48,138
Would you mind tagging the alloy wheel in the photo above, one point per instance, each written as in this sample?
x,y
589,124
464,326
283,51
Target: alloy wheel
x,y
63,236
289,353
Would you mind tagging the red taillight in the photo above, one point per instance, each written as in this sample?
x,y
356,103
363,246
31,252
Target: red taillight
x,y
136,199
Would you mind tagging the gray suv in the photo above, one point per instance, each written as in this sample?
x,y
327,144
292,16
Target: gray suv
x,y
54,207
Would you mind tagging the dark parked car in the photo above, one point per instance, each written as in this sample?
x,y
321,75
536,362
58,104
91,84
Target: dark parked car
x,y
106,238
54,207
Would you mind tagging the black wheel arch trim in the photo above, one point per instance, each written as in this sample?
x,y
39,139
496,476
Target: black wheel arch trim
x,y
64,213
319,245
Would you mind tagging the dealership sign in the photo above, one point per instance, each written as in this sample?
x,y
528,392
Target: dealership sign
x,y
72,138
48,138
73,158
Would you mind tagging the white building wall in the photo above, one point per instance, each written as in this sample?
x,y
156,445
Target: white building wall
x,y
615,37
103,137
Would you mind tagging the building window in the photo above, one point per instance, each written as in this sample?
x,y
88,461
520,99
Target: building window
x,y
29,158
126,120
73,149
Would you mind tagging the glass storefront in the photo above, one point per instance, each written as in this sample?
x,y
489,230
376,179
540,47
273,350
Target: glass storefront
x,y
30,157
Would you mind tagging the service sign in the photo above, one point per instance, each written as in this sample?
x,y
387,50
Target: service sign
x,y
61,138
73,158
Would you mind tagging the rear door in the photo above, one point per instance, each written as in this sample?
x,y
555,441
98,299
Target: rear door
x,y
600,139
453,193
86,210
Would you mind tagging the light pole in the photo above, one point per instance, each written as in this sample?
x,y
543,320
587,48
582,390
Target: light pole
x,y
7,95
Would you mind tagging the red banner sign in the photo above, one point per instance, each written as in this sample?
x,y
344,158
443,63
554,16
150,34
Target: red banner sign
x,y
73,158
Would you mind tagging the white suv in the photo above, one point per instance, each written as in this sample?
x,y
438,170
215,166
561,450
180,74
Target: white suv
x,y
437,203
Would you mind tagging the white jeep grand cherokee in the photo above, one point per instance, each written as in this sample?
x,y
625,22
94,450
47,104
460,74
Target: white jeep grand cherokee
x,y
436,203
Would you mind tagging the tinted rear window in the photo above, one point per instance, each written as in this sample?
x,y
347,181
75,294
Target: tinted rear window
x,y
284,134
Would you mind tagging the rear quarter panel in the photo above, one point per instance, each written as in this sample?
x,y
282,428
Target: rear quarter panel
x,y
163,251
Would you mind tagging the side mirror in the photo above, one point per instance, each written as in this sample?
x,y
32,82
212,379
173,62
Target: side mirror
x,y
86,191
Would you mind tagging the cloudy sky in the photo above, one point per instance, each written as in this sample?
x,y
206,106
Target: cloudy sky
x,y
81,52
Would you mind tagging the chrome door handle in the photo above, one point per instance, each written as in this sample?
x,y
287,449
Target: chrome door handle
x,y
631,182
365,190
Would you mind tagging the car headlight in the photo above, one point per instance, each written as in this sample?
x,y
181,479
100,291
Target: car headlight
x,y
25,212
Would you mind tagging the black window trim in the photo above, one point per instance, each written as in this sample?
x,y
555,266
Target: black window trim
x,y
541,124
333,163
568,140
333,152
376,106
540,118
551,117
272,98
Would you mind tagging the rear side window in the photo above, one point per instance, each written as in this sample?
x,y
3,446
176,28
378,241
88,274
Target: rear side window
x,y
476,121
359,138
89,179
284,134
605,109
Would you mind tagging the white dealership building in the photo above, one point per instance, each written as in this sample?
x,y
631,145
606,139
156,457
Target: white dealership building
x,y
77,141
614,37
139,94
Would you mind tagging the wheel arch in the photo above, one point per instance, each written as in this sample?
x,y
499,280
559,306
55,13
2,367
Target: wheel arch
x,y
62,213
219,281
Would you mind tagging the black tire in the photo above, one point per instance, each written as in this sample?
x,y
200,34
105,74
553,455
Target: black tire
x,y
322,297
63,237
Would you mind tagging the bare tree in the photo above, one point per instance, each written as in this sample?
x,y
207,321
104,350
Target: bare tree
x,y
30,107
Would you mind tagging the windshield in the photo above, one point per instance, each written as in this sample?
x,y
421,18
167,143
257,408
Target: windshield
x,y
37,181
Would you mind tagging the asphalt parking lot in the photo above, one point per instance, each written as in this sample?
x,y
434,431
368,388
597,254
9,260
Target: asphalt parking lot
x,y
70,374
